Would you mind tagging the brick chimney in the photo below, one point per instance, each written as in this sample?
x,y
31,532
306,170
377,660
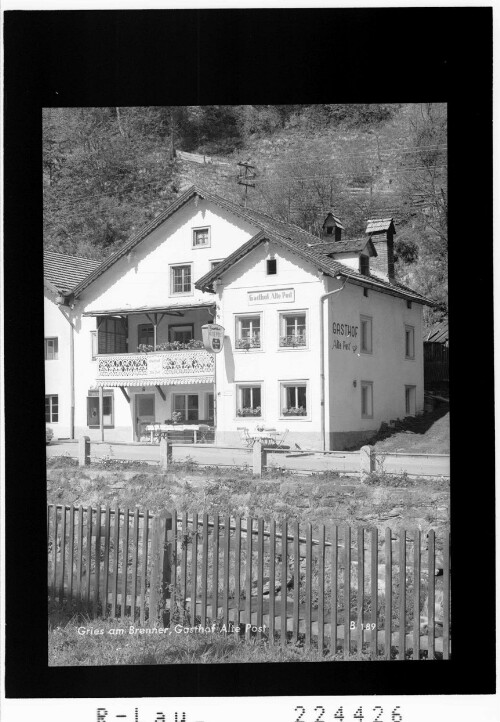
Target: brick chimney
x,y
382,232
332,228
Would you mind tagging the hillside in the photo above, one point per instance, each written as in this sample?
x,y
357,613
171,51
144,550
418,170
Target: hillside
x,y
108,171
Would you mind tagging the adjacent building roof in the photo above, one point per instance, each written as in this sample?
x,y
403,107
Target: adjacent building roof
x,y
354,245
289,235
336,220
438,333
65,272
378,225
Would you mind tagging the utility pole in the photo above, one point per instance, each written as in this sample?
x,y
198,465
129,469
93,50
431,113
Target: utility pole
x,y
244,179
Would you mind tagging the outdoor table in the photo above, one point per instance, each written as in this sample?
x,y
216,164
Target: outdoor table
x,y
163,429
263,436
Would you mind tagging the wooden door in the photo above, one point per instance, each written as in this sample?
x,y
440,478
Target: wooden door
x,y
144,414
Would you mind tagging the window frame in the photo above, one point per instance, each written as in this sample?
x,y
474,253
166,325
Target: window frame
x,y
107,394
94,345
364,260
209,394
268,262
172,329
50,397
186,405
282,315
368,385
411,388
194,230
364,319
55,348
237,329
239,403
175,266
284,384
140,327
411,355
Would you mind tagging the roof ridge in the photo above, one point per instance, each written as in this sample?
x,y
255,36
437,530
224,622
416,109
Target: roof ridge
x,y
68,255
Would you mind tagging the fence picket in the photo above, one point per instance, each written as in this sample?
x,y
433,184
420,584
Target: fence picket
x,y
144,562
334,589
54,552
71,545
237,572
402,594
135,564
416,594
125,562
89,555
361,585
272,579
194,569
116,541
204,571
388,592
105,571
347,591
260,576
308,599
431,610
225,581
296,581
97,562
215,569
321,590
184,554
63,552
284,563
374,592
446,595
248,578
154,578
174,556
79,559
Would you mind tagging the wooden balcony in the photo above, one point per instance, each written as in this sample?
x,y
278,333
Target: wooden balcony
x,y
193,366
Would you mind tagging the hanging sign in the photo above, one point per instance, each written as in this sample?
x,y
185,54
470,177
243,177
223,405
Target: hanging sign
x,y
213,337
276,295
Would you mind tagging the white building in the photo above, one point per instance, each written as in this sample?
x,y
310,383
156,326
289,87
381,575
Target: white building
x,y
315,342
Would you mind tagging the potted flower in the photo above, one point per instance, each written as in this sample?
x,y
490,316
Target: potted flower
x,y
295,411
248,411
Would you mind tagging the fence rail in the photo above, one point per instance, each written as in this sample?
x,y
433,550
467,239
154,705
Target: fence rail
x,y
331,587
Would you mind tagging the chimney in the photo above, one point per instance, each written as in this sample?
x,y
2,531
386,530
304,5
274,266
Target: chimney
x,y
332,228
382,232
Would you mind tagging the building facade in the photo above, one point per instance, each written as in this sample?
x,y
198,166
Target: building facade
x,y
317,343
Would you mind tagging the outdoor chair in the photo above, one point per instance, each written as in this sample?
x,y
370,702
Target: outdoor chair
x,y
204,430
281,438
244,436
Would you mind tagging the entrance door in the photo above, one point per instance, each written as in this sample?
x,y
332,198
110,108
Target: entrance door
x,y
144,414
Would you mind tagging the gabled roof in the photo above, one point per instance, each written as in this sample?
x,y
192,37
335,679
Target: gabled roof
x,y
335,220
65,272
354,245
379,225
324,263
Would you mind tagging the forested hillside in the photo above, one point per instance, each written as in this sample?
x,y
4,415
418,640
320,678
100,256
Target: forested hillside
x,y
107,171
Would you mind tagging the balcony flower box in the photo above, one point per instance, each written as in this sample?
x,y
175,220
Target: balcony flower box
x,y
292,341
171,346
247,411
295,411
248,343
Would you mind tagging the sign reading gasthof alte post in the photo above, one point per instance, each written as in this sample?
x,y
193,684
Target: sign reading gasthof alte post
x,y
272,295
213,337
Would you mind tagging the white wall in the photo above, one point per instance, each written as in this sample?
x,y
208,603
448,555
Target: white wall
x,y
57,372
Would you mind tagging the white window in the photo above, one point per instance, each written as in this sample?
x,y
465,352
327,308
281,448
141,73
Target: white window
x,y
248,332
93,408
410,400
51,349
186,405
367,399
366,334
249,400
52,409
180,280
201,237
409,342
93,344
293,332
293,399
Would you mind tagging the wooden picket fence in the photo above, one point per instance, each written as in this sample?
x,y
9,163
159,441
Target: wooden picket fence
x,y
356,591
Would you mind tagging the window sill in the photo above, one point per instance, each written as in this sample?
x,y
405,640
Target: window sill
x,y
295,418
181,293
96,426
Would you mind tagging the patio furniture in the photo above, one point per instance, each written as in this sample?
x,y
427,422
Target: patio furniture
x,y
266,436
244,435
281,438
204,431
162,430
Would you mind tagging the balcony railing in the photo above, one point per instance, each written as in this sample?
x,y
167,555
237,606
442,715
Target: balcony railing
x,y
160,367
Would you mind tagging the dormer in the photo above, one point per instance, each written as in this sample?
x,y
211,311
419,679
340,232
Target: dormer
x,y
381,232
332,228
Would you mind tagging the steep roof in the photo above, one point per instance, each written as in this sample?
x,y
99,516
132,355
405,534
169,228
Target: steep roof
x,y
65,272
354,245
323,262
438,333
378,225
288,234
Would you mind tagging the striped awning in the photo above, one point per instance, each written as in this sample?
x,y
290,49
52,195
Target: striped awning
x,y
171,381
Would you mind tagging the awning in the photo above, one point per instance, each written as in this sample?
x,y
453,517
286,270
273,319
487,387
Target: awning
x,y
175,381
173,309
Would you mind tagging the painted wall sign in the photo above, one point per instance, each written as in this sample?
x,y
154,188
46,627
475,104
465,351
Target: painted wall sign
x,y
281,295
344,337
213,337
